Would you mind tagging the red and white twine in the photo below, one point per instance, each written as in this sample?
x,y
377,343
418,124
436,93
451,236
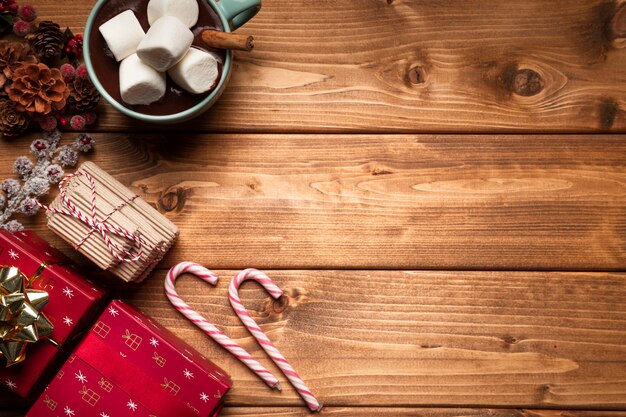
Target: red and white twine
x,y
217,335
99,225
264,341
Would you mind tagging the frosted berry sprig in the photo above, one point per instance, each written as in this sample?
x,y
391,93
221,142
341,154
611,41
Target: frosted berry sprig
x,y
17,17
19,196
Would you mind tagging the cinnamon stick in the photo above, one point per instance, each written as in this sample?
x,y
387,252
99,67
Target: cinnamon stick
x,y
227,40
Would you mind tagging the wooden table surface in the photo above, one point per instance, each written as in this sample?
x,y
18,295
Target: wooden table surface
x,y
439,187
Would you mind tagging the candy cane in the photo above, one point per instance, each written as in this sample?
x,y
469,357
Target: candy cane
x,y
223,340
264,341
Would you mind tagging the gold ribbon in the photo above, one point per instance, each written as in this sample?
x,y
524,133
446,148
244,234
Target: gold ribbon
x,y
21,320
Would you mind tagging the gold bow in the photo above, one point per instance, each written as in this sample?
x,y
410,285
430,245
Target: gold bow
x,y
21,320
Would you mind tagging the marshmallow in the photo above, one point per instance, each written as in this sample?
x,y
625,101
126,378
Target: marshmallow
x,y
122,33
166,42
196,72
140,83
185,10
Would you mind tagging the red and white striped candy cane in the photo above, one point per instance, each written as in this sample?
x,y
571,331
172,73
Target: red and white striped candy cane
x,y
217,335
264,341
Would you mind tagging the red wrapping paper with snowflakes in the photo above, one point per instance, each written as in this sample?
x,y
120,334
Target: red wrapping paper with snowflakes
x,y
73,305
129,365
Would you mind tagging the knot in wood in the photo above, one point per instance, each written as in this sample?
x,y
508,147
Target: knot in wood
x,y
618,26
416,75
526,83
279,305
173,200
608,113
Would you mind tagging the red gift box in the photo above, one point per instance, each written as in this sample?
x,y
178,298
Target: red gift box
x,y
73,302
129,365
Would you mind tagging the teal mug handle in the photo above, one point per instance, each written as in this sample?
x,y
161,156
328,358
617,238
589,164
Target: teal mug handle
x,y
238,12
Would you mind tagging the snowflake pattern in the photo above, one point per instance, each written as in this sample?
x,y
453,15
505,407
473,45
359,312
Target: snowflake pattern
x,y
69,293
154,342
10,384
188,374
131,405
113,311
68,321
79,376
103,414
204,397
68,411
14,255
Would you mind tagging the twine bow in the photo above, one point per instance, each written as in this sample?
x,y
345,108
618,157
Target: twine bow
x,y
96,224
21,320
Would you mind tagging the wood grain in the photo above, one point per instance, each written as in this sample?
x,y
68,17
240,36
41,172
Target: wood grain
x,y
379,202
427,339
395,412
408,338
343,220
415,412
417,66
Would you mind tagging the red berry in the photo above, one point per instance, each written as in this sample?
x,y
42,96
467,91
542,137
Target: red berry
x,y
90,118
81,71
74,47
68,71
21,28
63,121
48,123
27,13
77,122
12,8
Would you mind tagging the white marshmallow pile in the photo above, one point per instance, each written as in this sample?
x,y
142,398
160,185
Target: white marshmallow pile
x,y
145,57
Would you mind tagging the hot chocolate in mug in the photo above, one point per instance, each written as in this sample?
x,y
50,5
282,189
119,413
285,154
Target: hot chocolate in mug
x,y
177,105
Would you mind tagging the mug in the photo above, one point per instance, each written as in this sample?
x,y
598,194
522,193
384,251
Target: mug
x,y
232,13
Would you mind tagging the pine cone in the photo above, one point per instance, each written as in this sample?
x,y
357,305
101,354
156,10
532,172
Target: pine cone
x,y
12,121
38,89
12,56
83,94
47,41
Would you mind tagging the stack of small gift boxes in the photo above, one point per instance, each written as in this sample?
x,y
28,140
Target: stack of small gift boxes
x,y
120,363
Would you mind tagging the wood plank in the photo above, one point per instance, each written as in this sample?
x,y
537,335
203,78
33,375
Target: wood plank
x,y
418,66
398,412
379,202
427,339
416,412
395,338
